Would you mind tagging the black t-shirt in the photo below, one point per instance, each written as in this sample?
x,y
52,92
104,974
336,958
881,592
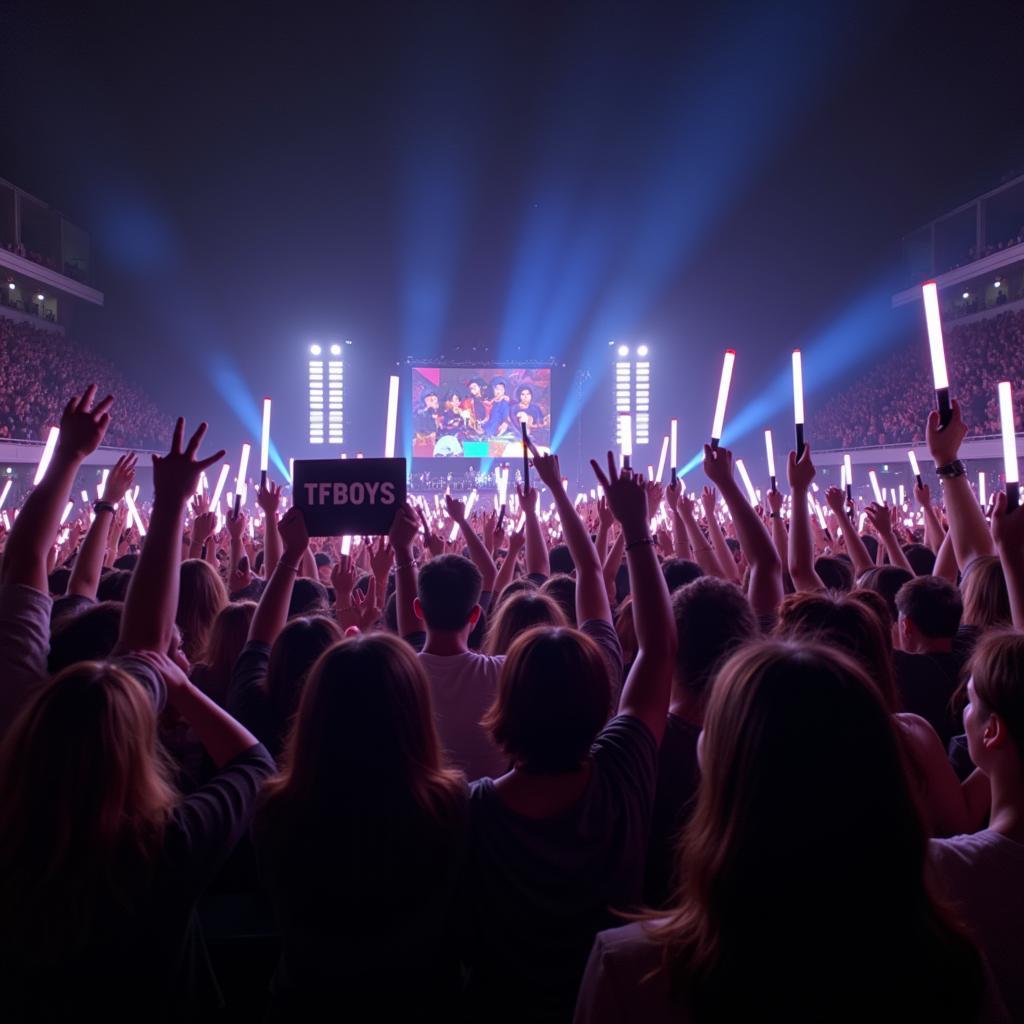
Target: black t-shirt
x,y
926,682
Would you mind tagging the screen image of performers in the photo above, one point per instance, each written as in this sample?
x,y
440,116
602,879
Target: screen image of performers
x,y
474,405
425,423
451,423
499,419
527,411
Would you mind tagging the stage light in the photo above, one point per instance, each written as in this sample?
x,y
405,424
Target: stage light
x,y
41,298
11,285
642,351
623,350
348,341
315,350
335,350
966,295
997,284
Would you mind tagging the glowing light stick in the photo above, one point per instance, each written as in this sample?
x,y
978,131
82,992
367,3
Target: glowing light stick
x,y
346,543
221,480
44,459
981,490
745,477
392,424
85,497
5,492
470,502
842,477
625,438
820,513
265,443
770,452
103,484
501,479
243,465
903,493
892,496
879,496
134,513
673,433
526,458
650,472
67,511
847,462
798,400
723,397
1009,445
914,467
930,294
662,457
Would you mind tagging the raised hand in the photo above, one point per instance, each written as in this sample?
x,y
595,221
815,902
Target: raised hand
x,y
718,465
381,559
82,424
176,474
236,525
604,513
455,508
654,493
203,526
880,517
269,498
775,501
120,478
364,611
547,469
404,529
944,443
835,498
294,535
200,503
708,497
627,498
528,499
343,579
923,495
800,471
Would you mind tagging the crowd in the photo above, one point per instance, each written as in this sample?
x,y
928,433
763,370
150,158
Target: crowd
x,y
647,758
38,367
889,403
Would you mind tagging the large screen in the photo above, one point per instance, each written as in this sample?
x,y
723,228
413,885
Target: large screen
x,y
476,413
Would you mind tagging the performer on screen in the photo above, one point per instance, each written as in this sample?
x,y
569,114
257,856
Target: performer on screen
x,y
452,420
474,406
499,422
425,419
527,411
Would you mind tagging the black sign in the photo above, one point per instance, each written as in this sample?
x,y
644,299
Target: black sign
x,y
348,496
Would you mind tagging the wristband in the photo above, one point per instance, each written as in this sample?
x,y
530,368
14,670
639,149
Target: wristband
x,y
293,568
407,565
952,470
638,543
102,506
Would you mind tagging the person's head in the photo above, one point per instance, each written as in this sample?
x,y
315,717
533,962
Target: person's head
x,y
773,871
448,594
430,400
476,386
323,567
224,645
994,715
499,387
127,561
295,650
524,396
680,571
91,635
562,588
986,600
871,543
842,621
519,614
625,630
200,597
560,560
713,618
57,581
309,597
364,737
835,573
113,585
885,580
553,699
921,558
929,610
521,584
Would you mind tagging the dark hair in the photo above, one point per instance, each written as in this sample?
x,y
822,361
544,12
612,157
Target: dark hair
x,y
521,389
520,585
91,635
127,561
921,558
561,561
932,604
309,597
871,543
495,381
713,618
58,580
997,670
429,394
113,585
449,589
886,580
835,573
680,571
562,588
518,615
322,558
553,699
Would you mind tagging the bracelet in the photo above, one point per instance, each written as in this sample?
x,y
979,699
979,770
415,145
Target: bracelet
x,y
952,470
293,568
638,543
102,506
406,565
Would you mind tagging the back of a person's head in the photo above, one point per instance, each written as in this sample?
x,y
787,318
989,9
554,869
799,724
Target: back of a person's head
x,y
713,617
932,604
201,596
921,558
562,588
519,614
680,571
224,645
309,597
293,654
986,599
89,636
828,872
625,629
113,585
448,588
843,620
871,543
835,573
57,581
553,699
126,562
886,580
560,560
997,671
521,584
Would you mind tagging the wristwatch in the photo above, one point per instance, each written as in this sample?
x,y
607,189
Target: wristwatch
x,y
954,469
102,506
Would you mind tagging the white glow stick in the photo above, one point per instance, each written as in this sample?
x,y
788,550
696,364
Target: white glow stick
x,y
136,494
67,511
134,513
224,470
914,467
392,424
903,493
662,457
44,459
346,544
879,496
650,472
848,463
1009,437
930,294
798,387
7,522
981,490
85,497
892,496
745,477
625,436
521,523
820,512
769,448
723,396
860,522
291,470
5,492
673,434
265,438
501,479
103,484
842,476
243,465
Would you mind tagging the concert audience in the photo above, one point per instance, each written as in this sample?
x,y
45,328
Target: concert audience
x,y
450,814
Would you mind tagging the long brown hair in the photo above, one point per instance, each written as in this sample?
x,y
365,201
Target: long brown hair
x,y
519,613
84,800
806,854
201,596
986,599
223,646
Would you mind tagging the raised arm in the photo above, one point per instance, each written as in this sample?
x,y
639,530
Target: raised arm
x,y
880,517
403,533
591,593
934,534
703,551
971,537
727,567
538,562
765,590
645,694
945,560
604,523
478,553
272,611
855,547
1008,530
780,535
269,499
516,541
85,577
147,623
82,427
800,473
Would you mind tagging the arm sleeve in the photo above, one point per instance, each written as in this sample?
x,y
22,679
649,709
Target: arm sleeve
x,y
599,1000
604,635
24,646
146,676
245,699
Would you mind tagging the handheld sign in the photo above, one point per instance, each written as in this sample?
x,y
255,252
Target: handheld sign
x,y
341,497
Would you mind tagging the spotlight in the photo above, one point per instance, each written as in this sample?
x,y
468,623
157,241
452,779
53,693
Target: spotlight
x,y
11,285
623,350
966,295
41,298
997,284
347,341
335,350
642,351
314,350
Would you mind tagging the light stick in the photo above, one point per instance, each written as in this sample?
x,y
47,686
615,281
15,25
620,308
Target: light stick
x,y
879,496
820,513
67,511
85,497
981,490
723,397
650,472
134,513
769,448
5,492
914,467
848,463
903,494
501,480
673,433
892,496
745,477
470,502
930,294
392,424
625,438
346,543
103,484
662,457
842,476
1009,445
221,480
265,444
7,522
243,465
798,400
44,459
526,458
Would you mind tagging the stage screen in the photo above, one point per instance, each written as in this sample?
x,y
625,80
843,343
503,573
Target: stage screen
x,y
475,414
